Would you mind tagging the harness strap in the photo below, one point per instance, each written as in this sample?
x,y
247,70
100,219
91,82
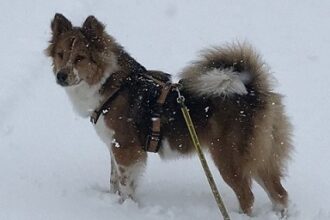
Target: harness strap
x,y
115,82
153,139
159,82
104,108
110,88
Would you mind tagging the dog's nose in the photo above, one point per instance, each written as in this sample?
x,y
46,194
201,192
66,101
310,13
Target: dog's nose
x,y
61,77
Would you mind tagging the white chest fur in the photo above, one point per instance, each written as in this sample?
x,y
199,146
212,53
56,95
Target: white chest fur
x,y
103,131
85,98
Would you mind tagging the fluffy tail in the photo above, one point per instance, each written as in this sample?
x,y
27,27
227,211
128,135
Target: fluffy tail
x,y
225,71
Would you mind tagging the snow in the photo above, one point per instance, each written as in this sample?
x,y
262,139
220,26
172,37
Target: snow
x,y
53,165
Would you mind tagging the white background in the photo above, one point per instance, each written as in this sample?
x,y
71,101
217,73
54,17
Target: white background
x,y
52,164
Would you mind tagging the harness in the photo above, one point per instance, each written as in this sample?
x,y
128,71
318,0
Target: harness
x,y
153,139
116,84
115,87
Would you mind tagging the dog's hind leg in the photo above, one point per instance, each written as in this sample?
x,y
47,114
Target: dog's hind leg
x,y
130,164
269,176
270,181
242,188
234,177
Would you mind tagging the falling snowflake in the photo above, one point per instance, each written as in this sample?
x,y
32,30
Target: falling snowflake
x,y
115,143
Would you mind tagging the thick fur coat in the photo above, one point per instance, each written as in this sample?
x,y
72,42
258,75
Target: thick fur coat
x,y
239,118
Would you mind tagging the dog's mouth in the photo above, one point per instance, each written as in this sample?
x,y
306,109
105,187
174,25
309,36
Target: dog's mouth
x,y
64,80
66,84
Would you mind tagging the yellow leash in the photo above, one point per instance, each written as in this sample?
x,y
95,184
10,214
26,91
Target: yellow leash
x,y
201,156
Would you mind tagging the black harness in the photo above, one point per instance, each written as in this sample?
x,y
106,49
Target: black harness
x,y
162,89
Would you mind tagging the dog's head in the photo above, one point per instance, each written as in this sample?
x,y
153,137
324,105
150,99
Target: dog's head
x,y
79,53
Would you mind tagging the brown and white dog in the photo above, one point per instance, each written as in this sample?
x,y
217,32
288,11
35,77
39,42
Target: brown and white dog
x,y
238,117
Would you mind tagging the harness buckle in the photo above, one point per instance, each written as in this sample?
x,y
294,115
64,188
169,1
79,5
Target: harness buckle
x,y
152,142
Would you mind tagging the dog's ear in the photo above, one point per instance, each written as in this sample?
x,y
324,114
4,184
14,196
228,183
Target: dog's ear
x,y
93,30
60,24
92,27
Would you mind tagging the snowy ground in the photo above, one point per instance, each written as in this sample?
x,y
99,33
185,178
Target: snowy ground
x,y
53,166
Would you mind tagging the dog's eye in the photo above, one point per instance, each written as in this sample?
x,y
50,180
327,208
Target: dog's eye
x,y
60,55
79,58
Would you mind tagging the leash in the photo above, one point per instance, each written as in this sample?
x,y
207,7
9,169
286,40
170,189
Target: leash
x,y
201,156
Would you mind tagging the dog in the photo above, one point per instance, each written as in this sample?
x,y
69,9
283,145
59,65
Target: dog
x,y
228,90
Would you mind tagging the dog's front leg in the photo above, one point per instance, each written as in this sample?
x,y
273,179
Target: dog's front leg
x,y
129,163
114,183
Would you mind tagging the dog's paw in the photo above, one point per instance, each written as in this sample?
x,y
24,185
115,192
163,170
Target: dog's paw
x,y
114,188
126,199
281,211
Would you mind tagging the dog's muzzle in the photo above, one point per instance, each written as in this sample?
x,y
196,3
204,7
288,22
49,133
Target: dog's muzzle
x,y
61,78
